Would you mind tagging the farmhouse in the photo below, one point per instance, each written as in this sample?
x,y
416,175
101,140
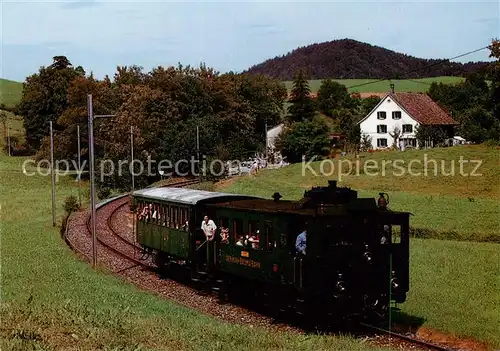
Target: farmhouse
x,y
403,111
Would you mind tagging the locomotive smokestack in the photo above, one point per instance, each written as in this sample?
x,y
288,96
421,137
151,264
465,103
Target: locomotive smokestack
x,y
332,183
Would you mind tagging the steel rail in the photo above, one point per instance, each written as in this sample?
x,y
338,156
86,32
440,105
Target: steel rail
x,y
408,338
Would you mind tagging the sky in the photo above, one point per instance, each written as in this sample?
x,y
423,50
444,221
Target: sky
x,y
231,35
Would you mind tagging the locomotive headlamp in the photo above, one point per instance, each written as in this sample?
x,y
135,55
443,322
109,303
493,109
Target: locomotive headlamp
x,y
340,286
394,281
367,255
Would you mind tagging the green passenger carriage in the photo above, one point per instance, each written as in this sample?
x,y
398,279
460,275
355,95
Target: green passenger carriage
x,y
356,261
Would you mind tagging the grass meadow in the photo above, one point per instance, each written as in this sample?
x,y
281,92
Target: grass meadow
x,y
10,92
454,283
406,85
51,300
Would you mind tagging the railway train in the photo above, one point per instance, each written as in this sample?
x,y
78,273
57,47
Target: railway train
x,y
356,261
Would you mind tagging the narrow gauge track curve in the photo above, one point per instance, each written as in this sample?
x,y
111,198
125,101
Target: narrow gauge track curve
x,y
110,247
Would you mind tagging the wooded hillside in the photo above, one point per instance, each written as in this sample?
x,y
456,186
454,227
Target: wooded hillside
x,y
347,58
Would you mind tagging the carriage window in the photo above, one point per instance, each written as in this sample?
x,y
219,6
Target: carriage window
x,y
170,214
252,240
165,215
185,220
223,224
268,236
154,214
238,234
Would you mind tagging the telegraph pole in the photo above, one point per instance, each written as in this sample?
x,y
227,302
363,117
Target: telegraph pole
x,y
132,154
198,148
79,168
91,166
8,134
92,190
266,144
53,175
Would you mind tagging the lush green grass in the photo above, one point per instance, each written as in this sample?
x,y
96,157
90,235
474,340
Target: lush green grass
x,y
462,207
414,85
10,92
454,285
52,300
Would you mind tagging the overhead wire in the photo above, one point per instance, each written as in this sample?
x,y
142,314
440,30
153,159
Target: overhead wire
x,y
419,69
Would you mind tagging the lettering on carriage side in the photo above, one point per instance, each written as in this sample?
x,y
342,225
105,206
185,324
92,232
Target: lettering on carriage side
x,y
242,261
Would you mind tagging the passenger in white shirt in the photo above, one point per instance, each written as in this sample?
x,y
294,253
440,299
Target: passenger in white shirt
x,y
208,226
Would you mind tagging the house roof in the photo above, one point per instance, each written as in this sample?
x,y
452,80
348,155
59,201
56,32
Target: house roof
x,y
420,107
423,109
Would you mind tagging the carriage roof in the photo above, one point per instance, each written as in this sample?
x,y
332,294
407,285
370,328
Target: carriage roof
x,y
186,196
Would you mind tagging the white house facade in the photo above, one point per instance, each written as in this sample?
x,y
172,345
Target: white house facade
x,y
403,111
272,134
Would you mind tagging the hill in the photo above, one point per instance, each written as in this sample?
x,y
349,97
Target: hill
x,y
10,92
351,59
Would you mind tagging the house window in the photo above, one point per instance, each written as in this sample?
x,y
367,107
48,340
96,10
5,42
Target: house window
x,y
381,115
381,142
381,129
396,115
407,128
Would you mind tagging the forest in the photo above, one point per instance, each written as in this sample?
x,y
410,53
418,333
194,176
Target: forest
x,y
351,59
162,109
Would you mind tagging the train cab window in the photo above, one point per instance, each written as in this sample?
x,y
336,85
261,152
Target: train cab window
x,y
269,243
238,234
252,239
223,224
283,240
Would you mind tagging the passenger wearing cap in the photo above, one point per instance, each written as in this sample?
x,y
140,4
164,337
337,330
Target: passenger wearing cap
x,y
255,240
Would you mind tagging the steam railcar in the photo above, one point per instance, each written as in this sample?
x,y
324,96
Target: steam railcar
x,y
355,263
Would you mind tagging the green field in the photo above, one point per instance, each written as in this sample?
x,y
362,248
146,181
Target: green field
x,y
10,92
454,284
51,300
414,85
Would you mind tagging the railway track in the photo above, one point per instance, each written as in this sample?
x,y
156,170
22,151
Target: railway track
x,y
127,243
407,338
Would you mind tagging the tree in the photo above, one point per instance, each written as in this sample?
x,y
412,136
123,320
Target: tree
x,y
430,133
60,62
366,143
302,106
494,76
347,125
395,134
332,96
307,138
45,98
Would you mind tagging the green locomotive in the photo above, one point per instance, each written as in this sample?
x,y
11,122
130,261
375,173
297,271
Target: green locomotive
x,y
355,263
